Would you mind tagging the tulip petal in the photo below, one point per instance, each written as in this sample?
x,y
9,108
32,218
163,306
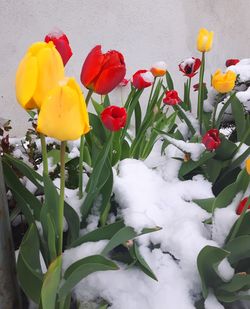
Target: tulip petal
x,y
61,114
92,66
26,81
109,79
51,70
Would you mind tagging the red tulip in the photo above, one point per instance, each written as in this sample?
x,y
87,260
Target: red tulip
x,y
230,62
241,206
114,117
190,66
211,139
123,83
103,72
142,79
61,43
171,98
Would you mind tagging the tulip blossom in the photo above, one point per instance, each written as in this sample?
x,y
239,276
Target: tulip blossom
x,y
230,62
63,114
241,206
103,72
171,98
114,117
142,79
211,139
159,69
190,66
61,43
224,82
38,72
123,83
248,165
204,40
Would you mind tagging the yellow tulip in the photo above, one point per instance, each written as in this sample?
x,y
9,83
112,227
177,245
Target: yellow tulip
x,y
63,114
248,165
204,40
223,82
37,73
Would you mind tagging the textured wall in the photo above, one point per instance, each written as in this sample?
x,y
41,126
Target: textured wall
x,y
145,31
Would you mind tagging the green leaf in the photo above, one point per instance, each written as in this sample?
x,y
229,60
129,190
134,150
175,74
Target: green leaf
x,y
142,263
137,118
239,249
213,168
51,284
116,147
54,154
169,80
106,193
226,150
182,115
98,107
29,270
106,102
106,232
51,238
206,203
73,222
81,269
222,111
207,262
238,282
239,117
97,128
125,150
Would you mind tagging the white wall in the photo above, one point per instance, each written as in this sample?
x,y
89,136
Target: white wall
x,y
145,31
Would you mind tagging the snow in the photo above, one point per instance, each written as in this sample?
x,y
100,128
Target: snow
x,y
212,303
160,65
148,77
225,270
242,69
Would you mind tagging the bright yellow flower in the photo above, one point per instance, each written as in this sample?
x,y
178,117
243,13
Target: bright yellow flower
x,y
248,165
63,114
37,73
204,40
223,82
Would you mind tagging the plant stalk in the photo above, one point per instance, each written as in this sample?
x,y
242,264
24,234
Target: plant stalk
x,y
200,92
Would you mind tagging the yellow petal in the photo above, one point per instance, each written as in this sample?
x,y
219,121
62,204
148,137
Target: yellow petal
x,y
26,81
61,114
204,40
50,71
248,165
36,47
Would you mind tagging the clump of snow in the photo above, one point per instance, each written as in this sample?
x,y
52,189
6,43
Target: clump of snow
x,y
240,151
211,302
242,69
225,270
148,77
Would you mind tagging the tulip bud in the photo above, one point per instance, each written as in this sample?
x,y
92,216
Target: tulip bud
x,y
159,69
190,66
224,82
38,72
248,165
61,43
114,117
142,79
211,139
63,114
241,206
103,72
204,40
230,62
171,98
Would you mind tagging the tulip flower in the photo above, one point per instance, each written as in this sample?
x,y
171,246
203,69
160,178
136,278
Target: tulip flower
x,y
230,62
114,117
103,72
123,83
171,98
38,72
241,206
224,82
248,165
204,40
159,69
61,43
190,66
63,114
211,139
142,79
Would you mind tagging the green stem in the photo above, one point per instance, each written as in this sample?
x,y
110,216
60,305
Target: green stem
x,y
239,221
61,198
44,154
214,114
200,93
80,181
151,93
189,101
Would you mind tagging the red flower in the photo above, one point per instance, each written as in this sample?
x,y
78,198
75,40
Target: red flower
x,y
171,98
123,83
241,206
211,139
190,66
114,117
230,62
103,72
142,79
61,43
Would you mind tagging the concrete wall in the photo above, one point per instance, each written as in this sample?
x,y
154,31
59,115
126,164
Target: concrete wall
x,y
145,31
